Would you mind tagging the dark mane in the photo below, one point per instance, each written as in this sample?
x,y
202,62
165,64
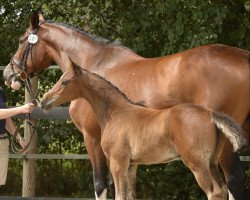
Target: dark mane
x,y
89,35
114,88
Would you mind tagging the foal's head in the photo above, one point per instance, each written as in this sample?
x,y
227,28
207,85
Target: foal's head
x,y
65,90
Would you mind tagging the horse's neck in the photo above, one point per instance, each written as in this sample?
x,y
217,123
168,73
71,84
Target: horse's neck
x,y
102,96
85,52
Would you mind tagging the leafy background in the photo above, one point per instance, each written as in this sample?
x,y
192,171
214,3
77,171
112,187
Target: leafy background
x,y
151,28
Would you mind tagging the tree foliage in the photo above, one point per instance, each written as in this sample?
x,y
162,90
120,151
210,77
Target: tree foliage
x,y
150,28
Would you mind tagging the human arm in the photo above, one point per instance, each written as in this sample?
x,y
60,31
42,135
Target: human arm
x,y
6,113
10,112
11,128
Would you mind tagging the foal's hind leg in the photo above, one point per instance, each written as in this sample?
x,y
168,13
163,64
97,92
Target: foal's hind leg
x,y
206,173
215,173
200,166
120,175
207,182
214,163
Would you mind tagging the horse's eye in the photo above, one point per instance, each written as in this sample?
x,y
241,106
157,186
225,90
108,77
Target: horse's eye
x,y
65,82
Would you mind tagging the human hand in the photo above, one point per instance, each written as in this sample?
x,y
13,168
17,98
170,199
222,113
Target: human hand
x,y
21,141
27,108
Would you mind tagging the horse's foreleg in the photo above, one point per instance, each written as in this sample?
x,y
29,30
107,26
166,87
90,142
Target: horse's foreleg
x,y
246,128
85,120
234,174
98,162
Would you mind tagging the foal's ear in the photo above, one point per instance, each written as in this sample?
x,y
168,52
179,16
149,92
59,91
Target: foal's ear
x,y
77,70
34,20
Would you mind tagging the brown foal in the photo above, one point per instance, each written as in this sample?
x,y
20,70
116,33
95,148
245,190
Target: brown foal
x,y
133,135
214,76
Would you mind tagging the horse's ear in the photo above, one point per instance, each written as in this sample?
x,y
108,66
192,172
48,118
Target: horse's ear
x,y
41,18
34,20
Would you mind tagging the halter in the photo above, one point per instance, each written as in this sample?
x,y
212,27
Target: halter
x,y
25,78
14,148
22,64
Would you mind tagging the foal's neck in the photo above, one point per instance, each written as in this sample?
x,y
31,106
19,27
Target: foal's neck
x,y
104,97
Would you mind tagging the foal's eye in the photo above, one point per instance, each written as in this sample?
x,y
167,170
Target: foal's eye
x,y
65,82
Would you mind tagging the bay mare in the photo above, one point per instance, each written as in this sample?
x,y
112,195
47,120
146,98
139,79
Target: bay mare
x,y
133,135
214,76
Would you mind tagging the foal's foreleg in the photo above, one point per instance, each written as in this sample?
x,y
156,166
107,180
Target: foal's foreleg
x,y
111,185
120,175
132,179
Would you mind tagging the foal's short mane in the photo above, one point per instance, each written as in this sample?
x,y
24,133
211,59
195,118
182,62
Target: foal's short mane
x,y
96,38
113,87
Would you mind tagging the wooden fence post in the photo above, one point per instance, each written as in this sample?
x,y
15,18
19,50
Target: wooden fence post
x,y
29,165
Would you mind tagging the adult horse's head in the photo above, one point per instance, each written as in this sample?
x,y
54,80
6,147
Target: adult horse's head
x,y
32,55
65,90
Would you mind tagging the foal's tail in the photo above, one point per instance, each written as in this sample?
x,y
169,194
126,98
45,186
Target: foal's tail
x,y
231,129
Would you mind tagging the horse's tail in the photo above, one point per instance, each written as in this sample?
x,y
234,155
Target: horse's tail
x,y
231,129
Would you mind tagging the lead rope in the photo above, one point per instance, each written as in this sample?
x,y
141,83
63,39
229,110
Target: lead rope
x,y
14,147
32,128
33,96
